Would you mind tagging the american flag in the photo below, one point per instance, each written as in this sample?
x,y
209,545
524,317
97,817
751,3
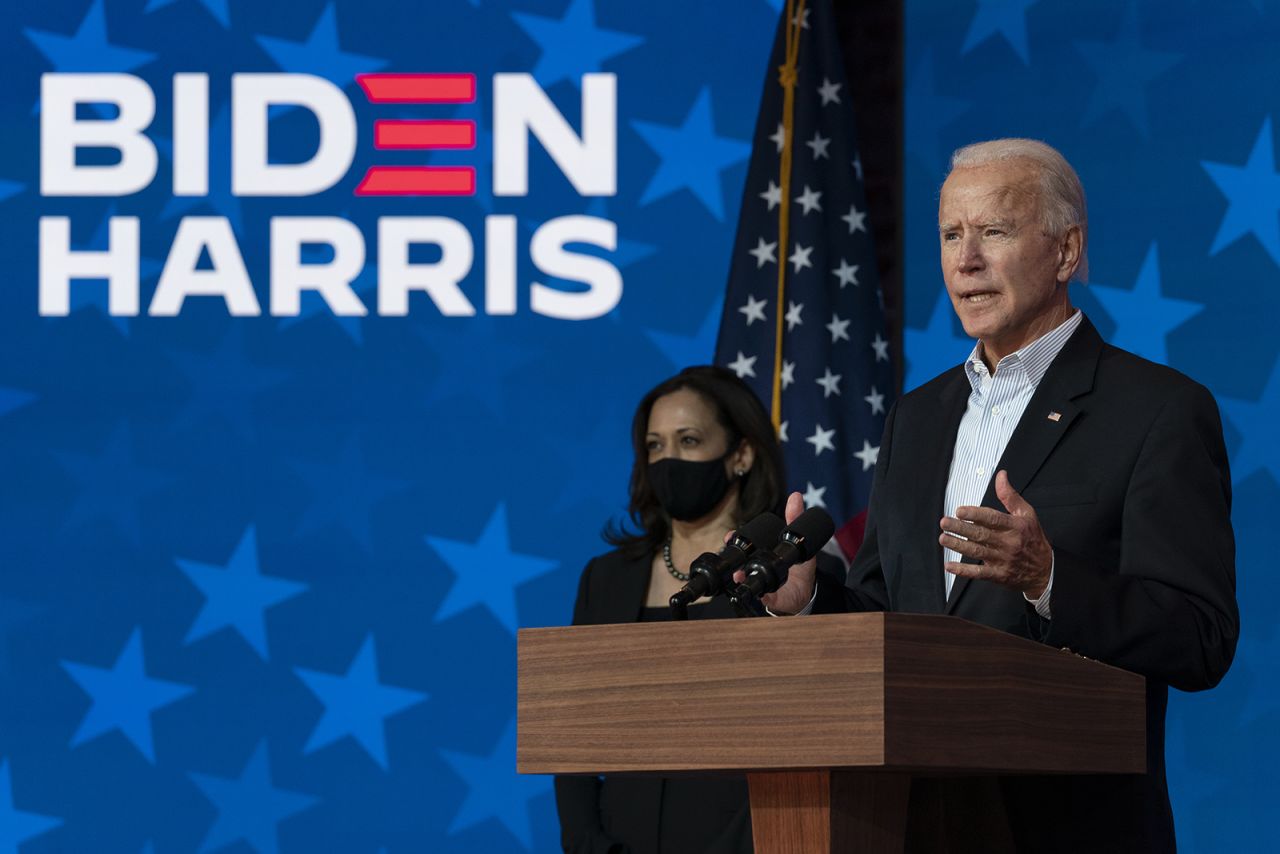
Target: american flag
x,y
803,280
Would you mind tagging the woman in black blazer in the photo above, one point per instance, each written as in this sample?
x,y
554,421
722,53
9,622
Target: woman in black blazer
x,y
706,460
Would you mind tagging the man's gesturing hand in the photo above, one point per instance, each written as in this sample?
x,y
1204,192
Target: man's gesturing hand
x,y
796,593
1012,546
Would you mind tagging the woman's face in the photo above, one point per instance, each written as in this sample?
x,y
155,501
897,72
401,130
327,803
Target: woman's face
x,y
684,426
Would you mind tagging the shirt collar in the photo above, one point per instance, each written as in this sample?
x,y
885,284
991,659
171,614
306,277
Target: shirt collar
x,y
1034,359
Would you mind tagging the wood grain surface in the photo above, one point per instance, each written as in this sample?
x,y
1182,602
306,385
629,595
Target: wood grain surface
x,y
918,693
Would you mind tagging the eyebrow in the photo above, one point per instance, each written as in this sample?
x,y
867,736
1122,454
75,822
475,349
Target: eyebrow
x,y
678,430
995,223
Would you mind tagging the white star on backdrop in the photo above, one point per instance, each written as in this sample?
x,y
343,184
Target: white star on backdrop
x,y
838,328
868,454
829,92
819,145
788,373
813,495
773,195
800,257
876,400
809,200
754,309
856,219
764,253
881,347
847,273
821,440
779,137
830,383
793,315
743,366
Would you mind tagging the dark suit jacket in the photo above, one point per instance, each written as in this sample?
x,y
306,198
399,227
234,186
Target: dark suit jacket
x,y
619,814
1130,484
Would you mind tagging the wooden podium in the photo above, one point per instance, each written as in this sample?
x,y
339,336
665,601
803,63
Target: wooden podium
x,y
828,716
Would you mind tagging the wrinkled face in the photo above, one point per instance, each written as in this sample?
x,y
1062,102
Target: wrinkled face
x,y
1006,277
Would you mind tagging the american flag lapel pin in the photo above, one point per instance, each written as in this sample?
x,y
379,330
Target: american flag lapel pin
x,y
1055,416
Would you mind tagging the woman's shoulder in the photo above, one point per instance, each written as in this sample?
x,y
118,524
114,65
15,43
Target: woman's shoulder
x,y
616,561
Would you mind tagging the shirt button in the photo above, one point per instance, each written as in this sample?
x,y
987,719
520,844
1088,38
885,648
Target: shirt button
x,y
981,471
995,410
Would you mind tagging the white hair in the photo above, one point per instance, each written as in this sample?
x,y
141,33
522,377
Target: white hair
x,y
1062,196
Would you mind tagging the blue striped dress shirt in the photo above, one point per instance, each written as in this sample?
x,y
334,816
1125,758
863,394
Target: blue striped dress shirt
x,y
996,404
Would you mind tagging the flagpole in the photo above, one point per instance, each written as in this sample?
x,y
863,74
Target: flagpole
x,y
787,78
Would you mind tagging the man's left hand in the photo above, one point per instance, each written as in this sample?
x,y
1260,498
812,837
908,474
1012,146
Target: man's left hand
x,y
1012,546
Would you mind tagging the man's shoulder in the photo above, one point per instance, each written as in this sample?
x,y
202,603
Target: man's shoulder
x,y
929,392
1132,374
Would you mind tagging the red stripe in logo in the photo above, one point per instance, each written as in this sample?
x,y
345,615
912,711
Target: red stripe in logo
x,y
418,181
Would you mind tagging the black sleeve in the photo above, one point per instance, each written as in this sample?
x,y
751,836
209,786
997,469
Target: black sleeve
x,y
578,798
864,588
1168,610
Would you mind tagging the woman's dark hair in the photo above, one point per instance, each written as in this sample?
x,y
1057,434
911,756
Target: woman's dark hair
x,y
740,413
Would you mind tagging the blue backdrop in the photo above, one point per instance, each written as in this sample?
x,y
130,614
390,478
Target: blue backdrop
x,y
260,576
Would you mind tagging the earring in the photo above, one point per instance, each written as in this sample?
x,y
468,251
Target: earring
x,y
739,472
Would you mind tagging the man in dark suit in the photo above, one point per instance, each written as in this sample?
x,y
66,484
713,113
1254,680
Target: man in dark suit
x,y
1052,486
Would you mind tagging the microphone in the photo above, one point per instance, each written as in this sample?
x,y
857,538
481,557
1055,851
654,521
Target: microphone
x,y
712,573
767,571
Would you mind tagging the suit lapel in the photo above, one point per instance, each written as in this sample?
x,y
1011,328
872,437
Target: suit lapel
x,y
926,591
1044,422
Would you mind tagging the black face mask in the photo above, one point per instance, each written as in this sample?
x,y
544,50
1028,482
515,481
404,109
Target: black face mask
x,y
688,490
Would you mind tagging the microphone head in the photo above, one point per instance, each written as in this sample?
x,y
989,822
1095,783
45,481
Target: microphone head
x,y
761,532
809,532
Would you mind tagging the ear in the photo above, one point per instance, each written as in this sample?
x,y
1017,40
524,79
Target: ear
x,y
743,458
1069,253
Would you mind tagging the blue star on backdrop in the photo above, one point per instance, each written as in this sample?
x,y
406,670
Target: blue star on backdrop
x,y
696,349
356,704
928,112
692,156
17,826
237,595
1143,316
1007,18
321,52
111,484
249,807
123,697
219,9
1124,68
487,571
935,348
1256,420
1253,197
224,385
492,792
345,492
572,45
89,48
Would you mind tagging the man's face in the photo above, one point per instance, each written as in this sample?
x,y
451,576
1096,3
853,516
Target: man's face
x,y
1006,277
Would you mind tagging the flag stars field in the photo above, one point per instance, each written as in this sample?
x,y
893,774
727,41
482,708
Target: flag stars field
x,y
800,257
793,315
838,328
830,383
753,310
821,440
764,253
868,455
